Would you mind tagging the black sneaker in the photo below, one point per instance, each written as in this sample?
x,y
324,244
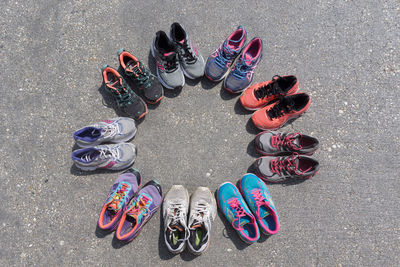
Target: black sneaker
x,y
278,169
127,101
141,76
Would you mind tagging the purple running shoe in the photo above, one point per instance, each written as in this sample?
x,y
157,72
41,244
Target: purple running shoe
x,y
123,189
139,211
219,62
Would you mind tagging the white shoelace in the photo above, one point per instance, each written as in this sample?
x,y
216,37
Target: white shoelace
x,y
110,130
201,215
178,217
104,153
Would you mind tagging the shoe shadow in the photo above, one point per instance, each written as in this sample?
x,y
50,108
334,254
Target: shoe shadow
x,y
229,232
207,84
163,251
225,95
239,109
251,128
100,233
172,93
251,149
187,256
193,82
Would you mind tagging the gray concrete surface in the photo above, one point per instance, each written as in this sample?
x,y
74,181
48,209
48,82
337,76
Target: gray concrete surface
x,y
345,54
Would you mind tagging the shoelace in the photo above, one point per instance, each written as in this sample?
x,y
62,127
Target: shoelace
x,y
201,215
139,206
118,197
269,89
178,215
242,68
188,55
171,63
105,153
279,141
120,93
239,212
224,56
260,200
287,165
142,74
280,109
110,130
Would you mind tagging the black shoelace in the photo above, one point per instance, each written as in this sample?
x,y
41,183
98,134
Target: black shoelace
x,y
285,106
188,54
171,62
271,89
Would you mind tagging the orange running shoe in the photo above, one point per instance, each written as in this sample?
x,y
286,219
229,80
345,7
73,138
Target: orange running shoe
x,y
260,94
275,115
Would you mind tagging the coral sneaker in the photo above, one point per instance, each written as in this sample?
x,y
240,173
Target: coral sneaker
x,y
260,94
236,211
272,143
141,76
127,101
123,189
139,211
219,62
275,115
257,196
242,74
278,169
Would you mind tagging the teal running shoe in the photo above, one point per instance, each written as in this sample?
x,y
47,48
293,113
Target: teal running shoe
x,y
236,211
259,200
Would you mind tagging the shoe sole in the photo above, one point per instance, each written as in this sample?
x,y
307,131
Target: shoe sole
x,y
219,206
160,79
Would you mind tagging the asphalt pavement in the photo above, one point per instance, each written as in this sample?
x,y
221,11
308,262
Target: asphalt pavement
x,y
346,56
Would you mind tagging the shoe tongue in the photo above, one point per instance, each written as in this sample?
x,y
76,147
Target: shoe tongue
x,y
264,210
248,58
296,140
177,226
244,220
168,54
131,65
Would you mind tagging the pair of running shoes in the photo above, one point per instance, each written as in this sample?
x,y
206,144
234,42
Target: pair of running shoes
x,y
286,156
184,225
127,209
176,57
95,155
248,208
219,63
134,71
275,102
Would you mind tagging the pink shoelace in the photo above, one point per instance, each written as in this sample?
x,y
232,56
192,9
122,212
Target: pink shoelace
x,y
288,164
239,212
278,141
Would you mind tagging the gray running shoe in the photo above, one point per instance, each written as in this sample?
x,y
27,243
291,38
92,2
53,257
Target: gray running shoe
x,y
111,157
271,143
115,130
175,209
203,209
169,71
191,61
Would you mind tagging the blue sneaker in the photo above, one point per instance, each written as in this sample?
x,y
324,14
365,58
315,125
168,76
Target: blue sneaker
x,y
257,196
234,207
242,74
219,62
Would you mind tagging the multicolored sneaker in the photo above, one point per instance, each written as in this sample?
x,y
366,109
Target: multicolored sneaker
x,y
270,143
115,130
260,94
242,73
169,71
127,101
110,157
175,210
139,211
220,61
203,210
278,169
237,212
123,189
277,114
141,76
191,61
259,200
